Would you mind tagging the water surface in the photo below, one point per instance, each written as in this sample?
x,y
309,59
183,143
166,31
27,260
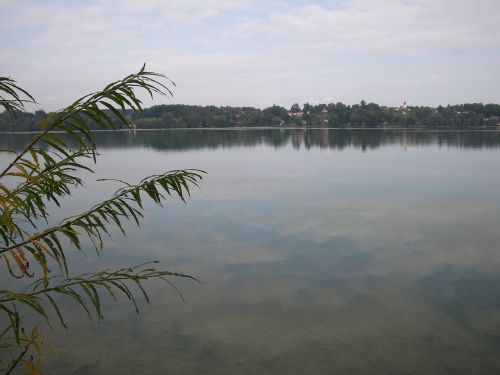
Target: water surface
x,y
319,251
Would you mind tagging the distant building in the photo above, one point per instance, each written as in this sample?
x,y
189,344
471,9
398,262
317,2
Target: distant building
x,y
492,118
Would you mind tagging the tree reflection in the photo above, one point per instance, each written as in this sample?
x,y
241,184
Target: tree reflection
x,y
364,139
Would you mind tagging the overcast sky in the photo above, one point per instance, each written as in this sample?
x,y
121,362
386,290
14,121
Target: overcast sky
x,y
258,53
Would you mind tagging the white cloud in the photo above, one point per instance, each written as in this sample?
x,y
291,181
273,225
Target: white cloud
x,y
9,57
225,52
385,26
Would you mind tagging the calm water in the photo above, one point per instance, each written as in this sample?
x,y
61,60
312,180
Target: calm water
x,y
320,252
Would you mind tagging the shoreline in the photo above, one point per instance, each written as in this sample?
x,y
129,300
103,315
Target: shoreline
x,y
414,129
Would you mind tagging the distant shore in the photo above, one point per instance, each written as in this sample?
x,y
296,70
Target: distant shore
x,y
322,116
443,128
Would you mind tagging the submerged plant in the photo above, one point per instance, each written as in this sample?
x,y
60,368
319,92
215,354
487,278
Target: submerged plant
x,y
44,173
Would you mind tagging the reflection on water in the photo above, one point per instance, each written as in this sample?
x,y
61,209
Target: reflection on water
x,y
315,257
322,138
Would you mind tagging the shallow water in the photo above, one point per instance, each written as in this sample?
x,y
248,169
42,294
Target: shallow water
x,y
319,251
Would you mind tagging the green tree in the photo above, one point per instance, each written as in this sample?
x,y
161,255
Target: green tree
x,y
44,173
295,108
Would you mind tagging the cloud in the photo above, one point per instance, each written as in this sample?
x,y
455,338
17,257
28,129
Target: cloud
x,y
9,57
383,26
226,52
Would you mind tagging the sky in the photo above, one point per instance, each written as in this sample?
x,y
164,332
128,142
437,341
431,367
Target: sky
x,y
258,53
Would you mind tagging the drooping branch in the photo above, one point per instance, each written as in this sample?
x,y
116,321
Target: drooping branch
x,y
47,170
71,119
125,204
12,97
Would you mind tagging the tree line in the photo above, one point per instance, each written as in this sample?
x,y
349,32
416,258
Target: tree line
x,y
336,115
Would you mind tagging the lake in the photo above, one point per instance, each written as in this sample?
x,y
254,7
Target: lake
x,y
319,252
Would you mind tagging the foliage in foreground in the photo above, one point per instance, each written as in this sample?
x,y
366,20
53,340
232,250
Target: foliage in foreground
x,y
43,174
